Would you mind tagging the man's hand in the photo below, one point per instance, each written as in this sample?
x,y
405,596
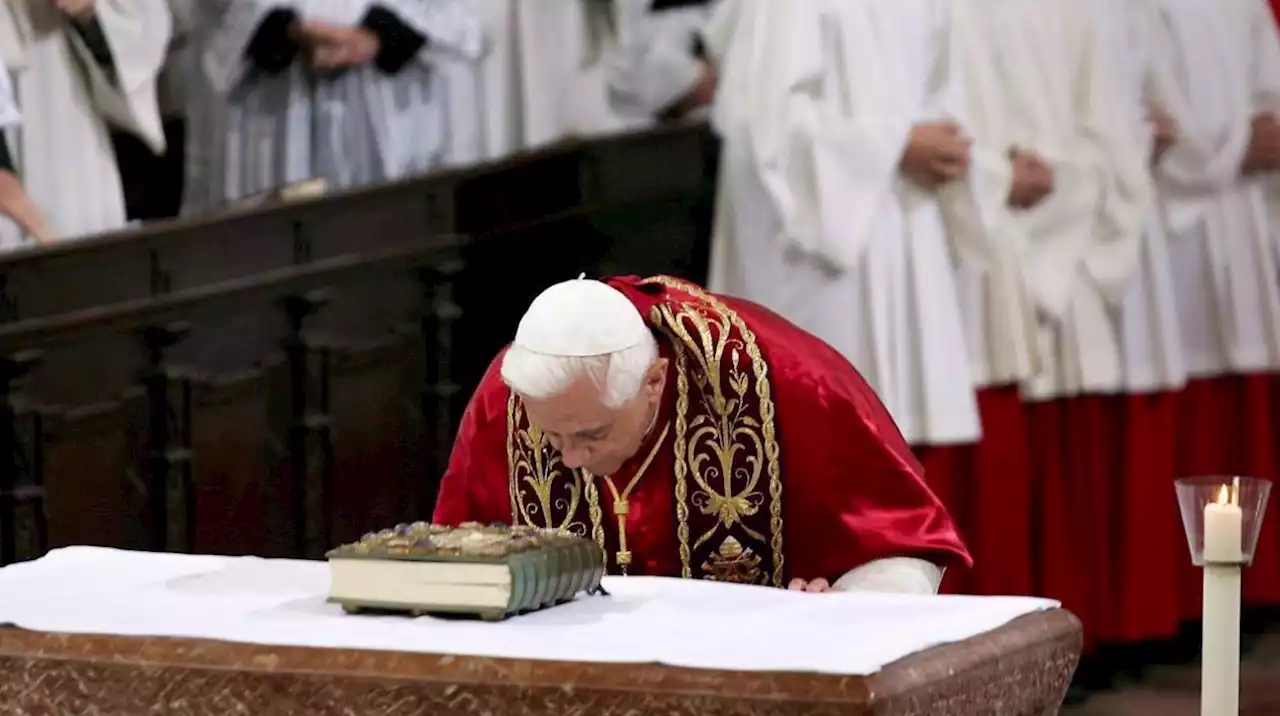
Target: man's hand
x,y
80,11
936,154
335,47
1032,179
1263,154
702,94
17,205
1164,131
815,586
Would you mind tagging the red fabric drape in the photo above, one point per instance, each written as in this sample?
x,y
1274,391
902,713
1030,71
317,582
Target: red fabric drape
x,y
1073,499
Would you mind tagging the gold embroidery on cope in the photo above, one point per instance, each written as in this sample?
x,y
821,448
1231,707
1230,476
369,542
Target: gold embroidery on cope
x,y
730,444
733,563
544,493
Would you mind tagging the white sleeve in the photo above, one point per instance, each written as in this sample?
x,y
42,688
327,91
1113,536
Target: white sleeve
x,y
10,116
653,65
229,26
899,575
451,27
137,33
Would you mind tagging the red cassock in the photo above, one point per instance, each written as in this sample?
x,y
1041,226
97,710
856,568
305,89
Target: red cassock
x,y
773,458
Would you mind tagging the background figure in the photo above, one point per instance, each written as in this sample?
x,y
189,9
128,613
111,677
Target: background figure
x,y
340,90
1148,545
1047,230
1212,182
14,202
833,115
541,79
79,64
1051,218
658,67
153,183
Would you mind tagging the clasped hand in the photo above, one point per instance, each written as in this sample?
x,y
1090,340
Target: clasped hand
x,y
1263,154
936,153
1164,132
1032,179
77,10
815,586
333,47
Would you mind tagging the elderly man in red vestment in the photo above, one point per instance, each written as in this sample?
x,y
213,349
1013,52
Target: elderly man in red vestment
x,y
698,436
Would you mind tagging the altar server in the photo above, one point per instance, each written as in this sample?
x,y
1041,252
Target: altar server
x,y
837,134
658,67
541,80
341,90
1049,224
1144,544
79,65
1047,229
696,435
1213,183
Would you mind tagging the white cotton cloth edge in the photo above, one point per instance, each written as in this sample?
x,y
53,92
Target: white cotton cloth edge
x,y
272,602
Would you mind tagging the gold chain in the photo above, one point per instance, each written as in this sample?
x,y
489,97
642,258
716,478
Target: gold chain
x,y
621,502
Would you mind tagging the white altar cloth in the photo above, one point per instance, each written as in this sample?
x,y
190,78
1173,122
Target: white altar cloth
x,y
687,623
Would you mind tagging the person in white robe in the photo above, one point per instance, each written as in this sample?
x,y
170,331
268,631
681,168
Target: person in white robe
x,y
339,90
15,203
542,79
1150,342
657,67
1213,182
836,128
1047,227
80,66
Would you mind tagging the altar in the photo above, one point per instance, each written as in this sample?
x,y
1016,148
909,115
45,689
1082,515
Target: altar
x,y
112,632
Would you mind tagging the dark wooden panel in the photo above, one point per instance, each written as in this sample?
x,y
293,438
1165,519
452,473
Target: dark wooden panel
x,y
280,379
236,466
369,425
95,490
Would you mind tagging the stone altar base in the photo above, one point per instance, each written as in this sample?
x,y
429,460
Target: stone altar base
x,y
1021,669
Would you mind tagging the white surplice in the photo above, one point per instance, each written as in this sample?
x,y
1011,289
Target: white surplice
x,y
1150,342
1226,64
814,219
10,115
63,149
542,79
1040,288
653,64
359,126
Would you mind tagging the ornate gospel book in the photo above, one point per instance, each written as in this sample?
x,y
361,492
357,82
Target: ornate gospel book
x,y
490,572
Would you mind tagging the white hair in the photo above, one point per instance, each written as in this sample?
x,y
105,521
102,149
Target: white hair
x,y
618,375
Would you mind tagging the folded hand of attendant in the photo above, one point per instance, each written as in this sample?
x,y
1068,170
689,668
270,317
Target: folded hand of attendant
x,y
1263,154
701,95
334,47
1032,179
80,11
937,153
1164,131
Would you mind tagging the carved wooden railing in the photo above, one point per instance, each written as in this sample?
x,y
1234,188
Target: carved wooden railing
x,y
277,380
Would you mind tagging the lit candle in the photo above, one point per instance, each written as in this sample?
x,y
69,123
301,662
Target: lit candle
x,y
1220,646
1223,528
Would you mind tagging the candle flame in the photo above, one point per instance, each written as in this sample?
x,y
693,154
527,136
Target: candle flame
x,y
1223,495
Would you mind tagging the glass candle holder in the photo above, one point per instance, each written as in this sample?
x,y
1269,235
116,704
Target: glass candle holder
x,y
1222,517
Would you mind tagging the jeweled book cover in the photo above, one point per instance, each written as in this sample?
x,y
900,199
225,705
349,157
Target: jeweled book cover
x,y
488,571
